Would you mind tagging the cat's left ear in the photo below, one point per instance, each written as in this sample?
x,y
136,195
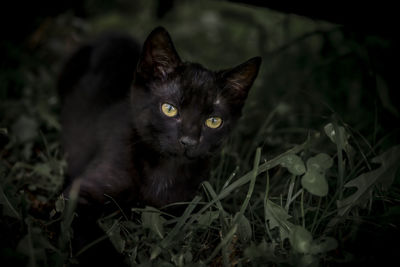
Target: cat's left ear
x,y
158,57
238,81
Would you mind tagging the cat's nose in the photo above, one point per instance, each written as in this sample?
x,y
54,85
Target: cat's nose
x,y
188,141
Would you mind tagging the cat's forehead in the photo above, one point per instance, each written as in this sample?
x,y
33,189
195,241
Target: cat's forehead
x,y
198,85
191,84
197,77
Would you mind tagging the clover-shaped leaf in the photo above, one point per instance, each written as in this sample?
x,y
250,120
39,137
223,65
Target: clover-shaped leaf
x,y
315,183
300,239
314,179
302,242
320,162
294,164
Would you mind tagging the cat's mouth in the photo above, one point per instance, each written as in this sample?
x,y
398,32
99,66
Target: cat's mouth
x,y
190,155
184,154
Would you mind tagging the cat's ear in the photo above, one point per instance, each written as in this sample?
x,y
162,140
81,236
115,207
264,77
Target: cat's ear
x,y
238,80
158,57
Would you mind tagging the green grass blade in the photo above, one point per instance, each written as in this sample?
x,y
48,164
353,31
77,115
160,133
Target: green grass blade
x,y
69,214
7,205
253,176
177,228
265,208
340,148
261,168
230,177
224,242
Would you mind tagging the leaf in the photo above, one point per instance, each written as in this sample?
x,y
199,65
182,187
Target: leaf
x,y
278,217
152,220
25,129
43,169
176,232
383,177
314,180
60,204
34,244
188,257
25,246
294,164
320,162
300,239
155,251
315,183
263,250
132,256
341,141
389,161
206,219
331,133
112,228
130,226
116,239
244,228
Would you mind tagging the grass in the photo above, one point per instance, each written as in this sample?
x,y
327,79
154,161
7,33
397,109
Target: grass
x,y
299,183
243,223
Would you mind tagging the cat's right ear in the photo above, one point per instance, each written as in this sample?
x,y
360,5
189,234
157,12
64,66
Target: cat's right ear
x,y
238,81
158,57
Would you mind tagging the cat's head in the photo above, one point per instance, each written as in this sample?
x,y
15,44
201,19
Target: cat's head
x,y
183,109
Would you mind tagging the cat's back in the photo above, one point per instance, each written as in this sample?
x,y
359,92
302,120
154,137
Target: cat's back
x,y
94,79
101,70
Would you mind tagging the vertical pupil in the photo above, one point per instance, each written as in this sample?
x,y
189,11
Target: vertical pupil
x,y
214,120
169,107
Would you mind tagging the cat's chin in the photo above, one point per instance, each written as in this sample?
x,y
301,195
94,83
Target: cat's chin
x,y
183,155
190,156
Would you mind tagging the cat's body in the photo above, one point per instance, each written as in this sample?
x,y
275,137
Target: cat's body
x,y
118,142
141,130
125,169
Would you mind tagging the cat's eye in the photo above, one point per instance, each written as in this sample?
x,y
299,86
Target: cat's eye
x,y
213,122
169,110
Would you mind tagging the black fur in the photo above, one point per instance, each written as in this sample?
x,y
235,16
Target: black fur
x,y
117,140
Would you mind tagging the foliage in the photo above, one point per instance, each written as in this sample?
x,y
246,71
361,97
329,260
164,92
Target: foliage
x,y
290,186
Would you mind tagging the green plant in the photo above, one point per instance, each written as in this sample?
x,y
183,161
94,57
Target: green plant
x,y
316,203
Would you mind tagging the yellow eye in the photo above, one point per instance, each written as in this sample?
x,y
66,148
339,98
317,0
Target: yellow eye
x,y
169,110
213,122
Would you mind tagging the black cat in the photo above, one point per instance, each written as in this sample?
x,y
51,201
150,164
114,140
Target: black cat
x,y
141,129
149,141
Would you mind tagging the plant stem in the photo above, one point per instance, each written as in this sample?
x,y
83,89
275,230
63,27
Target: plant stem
x,y
302,209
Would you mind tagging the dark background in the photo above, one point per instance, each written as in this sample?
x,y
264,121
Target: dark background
x,y
327,61
347,54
